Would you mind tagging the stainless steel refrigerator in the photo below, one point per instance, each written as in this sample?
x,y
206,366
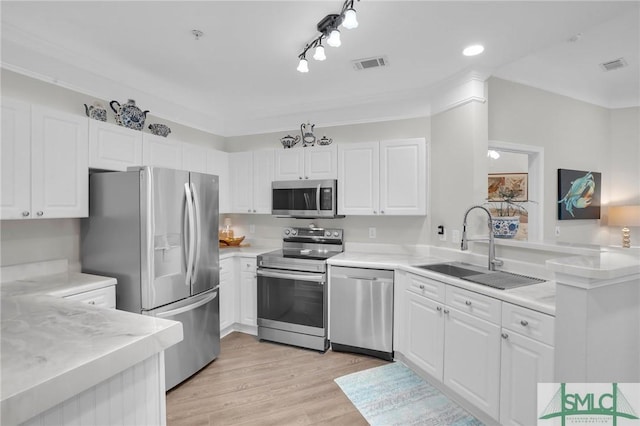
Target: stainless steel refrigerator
x,y
156,231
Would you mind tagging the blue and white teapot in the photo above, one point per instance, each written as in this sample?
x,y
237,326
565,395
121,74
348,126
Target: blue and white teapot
x,y
129,115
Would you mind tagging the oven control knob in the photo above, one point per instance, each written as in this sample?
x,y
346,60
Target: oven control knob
x,y
287,232
294,232
327,233
336,234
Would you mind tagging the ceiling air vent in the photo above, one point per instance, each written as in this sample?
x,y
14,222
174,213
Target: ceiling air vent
x,y
363,64
613,65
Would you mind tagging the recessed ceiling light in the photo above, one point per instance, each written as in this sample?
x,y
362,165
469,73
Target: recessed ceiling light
x,y
474,50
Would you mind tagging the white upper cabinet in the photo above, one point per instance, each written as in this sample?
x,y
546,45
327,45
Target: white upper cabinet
x,y
113,147
218,164
45,169
59,164
358,178
194,158
403,177
16,160
251,176
306,163
160,152
383,178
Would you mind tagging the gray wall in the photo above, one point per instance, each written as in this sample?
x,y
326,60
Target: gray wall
x,y
574,134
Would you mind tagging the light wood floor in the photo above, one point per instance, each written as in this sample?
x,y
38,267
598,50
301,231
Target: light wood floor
x,y
262,383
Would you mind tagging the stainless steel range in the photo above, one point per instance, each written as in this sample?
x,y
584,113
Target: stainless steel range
x,y
292,287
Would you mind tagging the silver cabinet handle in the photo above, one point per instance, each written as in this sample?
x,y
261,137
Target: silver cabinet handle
x,y
40,213
254,210
505,335
524,323
25,213
421,286
446,311
299,177
375,212
249,211
438,308
92,302
468,303
306,177
381,211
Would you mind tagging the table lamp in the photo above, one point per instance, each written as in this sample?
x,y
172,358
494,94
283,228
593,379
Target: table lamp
x,y
624,216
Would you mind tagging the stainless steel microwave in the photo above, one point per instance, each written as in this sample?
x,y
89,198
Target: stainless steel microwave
x,y
305,198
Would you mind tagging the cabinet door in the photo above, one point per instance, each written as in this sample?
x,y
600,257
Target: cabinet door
x,y
321,162
241,171
194,158
248,292
358,178
289,164
16,160
113,147
160,152
227,293
424,333
472,351
403,183
263,168
59,164
218,164
525,363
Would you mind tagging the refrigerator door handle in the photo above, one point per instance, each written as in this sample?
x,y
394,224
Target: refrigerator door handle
x,y
198,237
190,220
191,307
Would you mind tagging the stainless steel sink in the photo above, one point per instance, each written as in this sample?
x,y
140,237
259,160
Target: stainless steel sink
x,y
453,269
496,279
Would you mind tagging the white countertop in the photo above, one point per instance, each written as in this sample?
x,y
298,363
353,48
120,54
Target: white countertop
x,y
601,266
54,348
539,297
244,251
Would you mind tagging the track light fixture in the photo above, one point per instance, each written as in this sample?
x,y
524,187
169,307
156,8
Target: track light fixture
x,y
328,29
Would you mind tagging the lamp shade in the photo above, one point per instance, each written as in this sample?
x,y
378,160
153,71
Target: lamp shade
x,y
624,215
303,65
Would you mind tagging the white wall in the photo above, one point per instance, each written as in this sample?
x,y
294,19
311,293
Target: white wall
x,y
574,134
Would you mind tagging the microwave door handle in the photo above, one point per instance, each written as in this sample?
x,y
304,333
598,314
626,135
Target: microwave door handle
x,y
318,198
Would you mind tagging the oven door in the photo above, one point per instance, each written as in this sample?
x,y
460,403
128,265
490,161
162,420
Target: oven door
x,y
292,301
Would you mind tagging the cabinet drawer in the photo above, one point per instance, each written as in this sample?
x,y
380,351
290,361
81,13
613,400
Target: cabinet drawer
x,y
247,264
475,304
105,297
527,322
426,287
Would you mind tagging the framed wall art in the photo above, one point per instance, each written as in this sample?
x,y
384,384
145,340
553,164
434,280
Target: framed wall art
x,y
578,194
508,186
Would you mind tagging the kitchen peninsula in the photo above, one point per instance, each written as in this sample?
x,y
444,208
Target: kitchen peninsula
x,y
66,361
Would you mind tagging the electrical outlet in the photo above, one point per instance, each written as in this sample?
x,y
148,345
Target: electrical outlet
x,y
455,236
252,229
372,232
557,231
442,236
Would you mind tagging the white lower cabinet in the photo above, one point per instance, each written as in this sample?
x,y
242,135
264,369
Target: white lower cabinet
x,y
425,333
491,353
227,292
248,292
525,363
104,297
472,359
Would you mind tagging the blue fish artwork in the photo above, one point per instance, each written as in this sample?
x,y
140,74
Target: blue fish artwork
x,y
581,197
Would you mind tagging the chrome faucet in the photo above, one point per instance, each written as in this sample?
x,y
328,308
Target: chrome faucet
x,y
493,262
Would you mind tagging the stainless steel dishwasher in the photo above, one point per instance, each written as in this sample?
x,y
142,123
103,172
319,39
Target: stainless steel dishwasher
x,y
361,311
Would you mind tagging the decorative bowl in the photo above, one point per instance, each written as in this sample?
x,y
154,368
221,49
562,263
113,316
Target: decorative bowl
x,y
235,241
159,129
